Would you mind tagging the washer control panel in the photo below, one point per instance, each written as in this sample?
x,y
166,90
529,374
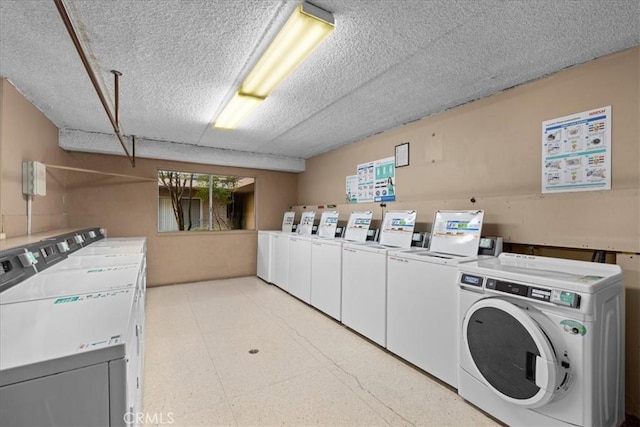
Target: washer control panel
x,y
553,296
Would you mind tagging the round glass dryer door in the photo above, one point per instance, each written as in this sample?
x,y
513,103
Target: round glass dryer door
x,y
512,354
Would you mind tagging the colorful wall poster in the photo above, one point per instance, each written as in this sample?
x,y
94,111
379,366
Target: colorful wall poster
x,y
374,182
366,177
352,188
385,174
576,152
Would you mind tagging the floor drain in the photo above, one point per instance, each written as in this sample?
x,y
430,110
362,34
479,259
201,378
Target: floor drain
x,y
253,351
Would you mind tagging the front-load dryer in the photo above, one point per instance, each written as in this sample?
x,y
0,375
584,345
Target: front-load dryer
x,y
542,340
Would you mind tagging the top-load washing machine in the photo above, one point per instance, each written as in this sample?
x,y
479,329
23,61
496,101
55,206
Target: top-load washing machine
x,y
70,361
326,262
299,277
422,293
71,341
542,340
266,252
364,276
114,245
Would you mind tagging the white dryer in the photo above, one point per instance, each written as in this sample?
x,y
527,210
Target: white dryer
x,y
542,340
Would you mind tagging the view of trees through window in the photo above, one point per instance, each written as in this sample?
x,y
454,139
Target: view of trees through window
x,y
190,201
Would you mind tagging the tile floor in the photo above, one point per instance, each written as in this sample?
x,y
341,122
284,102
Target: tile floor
x,y
309,369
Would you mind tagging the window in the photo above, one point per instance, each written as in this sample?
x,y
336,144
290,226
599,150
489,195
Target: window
x,y
190,201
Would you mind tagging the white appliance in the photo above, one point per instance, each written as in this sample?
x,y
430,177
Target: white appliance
x,y
266,252
265,267
53,367
364,276
326,261
70,361
422,313
299,276
422,308
542,340
118,245
280,242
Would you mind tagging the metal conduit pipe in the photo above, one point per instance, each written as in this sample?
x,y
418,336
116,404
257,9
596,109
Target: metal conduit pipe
x,y
94,80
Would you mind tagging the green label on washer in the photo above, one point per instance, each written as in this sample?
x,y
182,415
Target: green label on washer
x,y
65,300
574,327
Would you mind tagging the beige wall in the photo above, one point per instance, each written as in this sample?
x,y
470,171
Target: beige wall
x,y
128,207
125,206
26,134
491,150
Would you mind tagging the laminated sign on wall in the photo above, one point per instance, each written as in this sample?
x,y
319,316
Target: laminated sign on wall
x,y
576,152
374,182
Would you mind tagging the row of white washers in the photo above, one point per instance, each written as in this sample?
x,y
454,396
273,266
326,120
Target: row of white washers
x,y
398,294
71,336
417,304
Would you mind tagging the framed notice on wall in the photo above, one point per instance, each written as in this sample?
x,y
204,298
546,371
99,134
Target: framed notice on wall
x,y
402,155
576,152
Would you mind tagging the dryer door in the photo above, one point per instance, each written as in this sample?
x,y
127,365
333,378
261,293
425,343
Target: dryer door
x,y
512,354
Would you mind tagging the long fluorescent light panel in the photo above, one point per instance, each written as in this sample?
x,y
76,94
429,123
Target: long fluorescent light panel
x,y
305,30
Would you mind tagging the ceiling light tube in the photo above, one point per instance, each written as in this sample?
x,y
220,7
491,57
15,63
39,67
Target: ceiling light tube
x,y
305,30
236,110
302,34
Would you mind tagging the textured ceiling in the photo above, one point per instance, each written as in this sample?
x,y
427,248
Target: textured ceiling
x,y
387,63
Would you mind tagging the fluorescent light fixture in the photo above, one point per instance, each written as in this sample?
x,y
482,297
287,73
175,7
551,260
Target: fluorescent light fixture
x,y
236,110
305,30
302,34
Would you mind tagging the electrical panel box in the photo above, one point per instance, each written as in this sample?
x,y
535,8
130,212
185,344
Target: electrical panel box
x,y
34,179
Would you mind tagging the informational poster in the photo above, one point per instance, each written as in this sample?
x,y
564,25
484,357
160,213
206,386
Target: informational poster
x,y
576,152
374,182
366,178
328,224
352,188
456,232
306,223
287,221
397,228
385,175
358,226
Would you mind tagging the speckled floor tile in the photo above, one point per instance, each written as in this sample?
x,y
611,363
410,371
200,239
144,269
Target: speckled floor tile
x,y
313,398
309,370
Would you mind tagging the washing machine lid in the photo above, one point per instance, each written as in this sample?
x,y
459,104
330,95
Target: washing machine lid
x,y
456,232
70,283
511,353
586,277
425,255
95,261
44,337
